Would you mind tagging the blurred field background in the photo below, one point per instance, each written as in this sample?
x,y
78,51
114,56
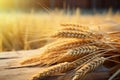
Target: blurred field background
x,y
25,24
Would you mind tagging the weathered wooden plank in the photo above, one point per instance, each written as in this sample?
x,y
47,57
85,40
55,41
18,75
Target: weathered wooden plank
x,y
8,59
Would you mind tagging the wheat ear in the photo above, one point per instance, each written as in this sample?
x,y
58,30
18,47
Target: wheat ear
x,y
76,53
75,25
76,34
89,66
51,70
83,50
83,71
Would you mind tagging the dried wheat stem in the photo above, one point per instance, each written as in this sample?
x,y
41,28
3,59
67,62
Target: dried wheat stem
x,y
41,58
114,75
59,42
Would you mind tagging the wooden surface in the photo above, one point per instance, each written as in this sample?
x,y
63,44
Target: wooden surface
x,y
8,59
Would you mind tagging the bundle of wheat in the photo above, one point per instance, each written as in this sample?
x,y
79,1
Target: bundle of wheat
x,y
77,51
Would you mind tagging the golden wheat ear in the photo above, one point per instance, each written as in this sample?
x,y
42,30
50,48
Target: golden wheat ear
x,y
74,28
87,68
83,70
76,34
83,50
69,57
78,52
51,71
64,47
81,27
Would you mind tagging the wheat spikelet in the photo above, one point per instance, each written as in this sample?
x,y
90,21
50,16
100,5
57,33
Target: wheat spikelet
x,y
75,25
77,34
76,53
84,59
83,71
82,50
68,56
51,70
91,56
74,28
